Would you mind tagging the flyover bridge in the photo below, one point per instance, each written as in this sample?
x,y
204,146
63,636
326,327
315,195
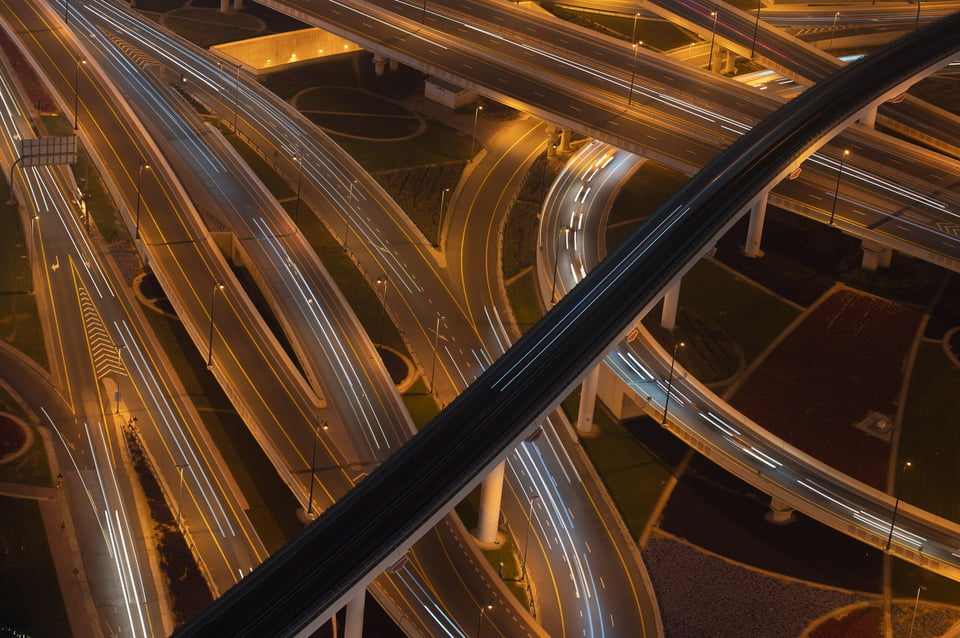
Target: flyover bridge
x,y
299,587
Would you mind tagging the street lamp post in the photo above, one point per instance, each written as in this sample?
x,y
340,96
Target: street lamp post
x,y
896,503
916,603
140,168
485,607
180,467
236,100
713,38
213,300
673,361
473,140
346,216
320,425
756,28
119,347
76,93
296,211
436,347
219,92
443,199
836,191
916,25
633,70
383,305
526,540
833,32
556,263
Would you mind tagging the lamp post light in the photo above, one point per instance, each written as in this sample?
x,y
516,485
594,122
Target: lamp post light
x,y
833,32
236,100
633,70
916,603
673,361
382,281
119,347
556,263
219,92
756,28
713,38
473,140
180,467
436,347
213,300
76,93
443,199
140,168
896,503
484,608
836,191
296,211
916,25
320,425
526,540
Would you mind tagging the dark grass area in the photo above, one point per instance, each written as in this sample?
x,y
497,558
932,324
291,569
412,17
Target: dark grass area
x,y
842,361
346,99
30,599
713,509
32,466
931,434
376,622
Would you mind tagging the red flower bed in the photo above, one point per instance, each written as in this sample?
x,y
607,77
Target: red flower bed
x,y
844,360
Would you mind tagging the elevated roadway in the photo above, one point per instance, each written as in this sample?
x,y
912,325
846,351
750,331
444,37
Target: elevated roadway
x,y
299,587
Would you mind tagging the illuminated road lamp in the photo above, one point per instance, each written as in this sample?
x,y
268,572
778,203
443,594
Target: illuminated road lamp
x,y
320,425
76,94
673,362
633,71
526,540
756,28
484,608
443,198
180,468
713,38
473,140
436,348
836,190
896,503
217,286
833,32
140,168
382,281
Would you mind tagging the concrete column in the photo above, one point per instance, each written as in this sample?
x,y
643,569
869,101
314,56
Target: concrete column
x,y
780,512
758,213
224,6
729,62
237,5
871,255
671,299
353,624
379,64
565,140
394,64
869,117
886,256
490,492
588,402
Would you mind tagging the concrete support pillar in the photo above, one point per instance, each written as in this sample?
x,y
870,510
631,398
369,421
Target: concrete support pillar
x,y
886,257
869,117
588,403
780,512
237,5
490,492
353,624
379,64
872,253
394,64
565,140
758,213
553,138
224,6
729,62
671,300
